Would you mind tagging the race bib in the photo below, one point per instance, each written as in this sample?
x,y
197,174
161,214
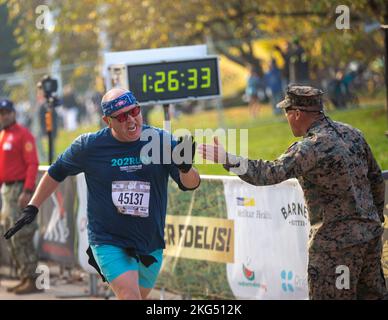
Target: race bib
x,y
131,197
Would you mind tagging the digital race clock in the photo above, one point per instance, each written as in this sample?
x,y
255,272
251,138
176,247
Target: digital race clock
x,y
174,81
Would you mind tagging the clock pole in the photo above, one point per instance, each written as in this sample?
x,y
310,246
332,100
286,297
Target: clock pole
x,y
167,120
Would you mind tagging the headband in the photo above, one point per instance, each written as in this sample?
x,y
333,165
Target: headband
x,y
125,100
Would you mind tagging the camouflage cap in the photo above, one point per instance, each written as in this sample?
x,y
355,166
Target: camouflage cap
x,y
304,97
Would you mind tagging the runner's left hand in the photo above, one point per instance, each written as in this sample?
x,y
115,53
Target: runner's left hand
x,y
184,144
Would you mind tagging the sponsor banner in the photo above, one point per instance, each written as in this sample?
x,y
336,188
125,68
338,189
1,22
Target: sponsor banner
x,y
200,238
56,224
82,222
270,245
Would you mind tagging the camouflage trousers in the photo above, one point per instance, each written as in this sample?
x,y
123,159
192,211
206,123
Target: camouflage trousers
x,y
347,274
20,246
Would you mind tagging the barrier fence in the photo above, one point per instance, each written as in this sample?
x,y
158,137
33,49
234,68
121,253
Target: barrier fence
x,y
225,240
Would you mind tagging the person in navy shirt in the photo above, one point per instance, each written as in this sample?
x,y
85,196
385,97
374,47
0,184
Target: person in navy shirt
x,y
127,192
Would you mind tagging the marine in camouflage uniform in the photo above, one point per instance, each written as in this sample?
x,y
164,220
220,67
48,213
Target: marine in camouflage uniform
x,y
343,189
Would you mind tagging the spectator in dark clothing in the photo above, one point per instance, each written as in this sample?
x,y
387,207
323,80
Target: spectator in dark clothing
x,y
337,91
296,64
70,110
253,90
299,67
286,54
273,80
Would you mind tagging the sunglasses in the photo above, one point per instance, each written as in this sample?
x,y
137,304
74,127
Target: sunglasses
x,y
134,112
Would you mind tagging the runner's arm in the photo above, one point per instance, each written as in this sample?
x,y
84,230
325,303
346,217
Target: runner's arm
x,y
191,179
46,187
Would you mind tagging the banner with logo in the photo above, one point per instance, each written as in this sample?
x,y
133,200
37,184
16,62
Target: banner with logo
x,y
201,238
271,233
56,224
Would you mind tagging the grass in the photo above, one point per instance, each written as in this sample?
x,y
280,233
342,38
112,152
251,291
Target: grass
x,y
269,136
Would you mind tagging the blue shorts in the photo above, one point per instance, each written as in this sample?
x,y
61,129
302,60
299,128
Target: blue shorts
x,y
114,261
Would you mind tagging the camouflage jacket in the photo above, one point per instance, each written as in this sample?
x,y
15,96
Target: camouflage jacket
x,y
342,183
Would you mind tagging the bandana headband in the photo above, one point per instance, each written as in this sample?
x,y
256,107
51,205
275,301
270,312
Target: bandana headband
x,y
125,100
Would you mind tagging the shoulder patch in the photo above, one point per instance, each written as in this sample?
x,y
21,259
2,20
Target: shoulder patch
x,y
28,146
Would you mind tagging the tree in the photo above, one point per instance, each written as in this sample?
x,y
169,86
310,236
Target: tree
x,y
77,41
73,40
8,42
33,43
234,26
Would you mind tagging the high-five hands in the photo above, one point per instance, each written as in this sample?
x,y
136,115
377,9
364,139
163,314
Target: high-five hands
x,y
215,153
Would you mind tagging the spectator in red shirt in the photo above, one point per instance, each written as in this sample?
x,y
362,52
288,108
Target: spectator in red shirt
x,y
18,170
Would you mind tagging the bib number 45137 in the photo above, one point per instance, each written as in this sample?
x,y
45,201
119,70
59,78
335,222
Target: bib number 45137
x,y
134,198
131,197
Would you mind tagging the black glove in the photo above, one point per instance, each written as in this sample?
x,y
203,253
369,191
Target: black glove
x,y
184,142
29,214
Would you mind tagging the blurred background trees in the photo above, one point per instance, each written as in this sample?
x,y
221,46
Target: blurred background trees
x,y
243,31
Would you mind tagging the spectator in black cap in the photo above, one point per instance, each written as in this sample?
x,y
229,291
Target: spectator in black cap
x,y
7,111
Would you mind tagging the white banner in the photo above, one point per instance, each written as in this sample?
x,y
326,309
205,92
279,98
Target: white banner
x,y
271,234
82,222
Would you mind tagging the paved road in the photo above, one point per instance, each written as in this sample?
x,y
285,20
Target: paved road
x,y
74,287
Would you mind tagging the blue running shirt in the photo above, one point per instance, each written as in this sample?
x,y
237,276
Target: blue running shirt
x,y
115,172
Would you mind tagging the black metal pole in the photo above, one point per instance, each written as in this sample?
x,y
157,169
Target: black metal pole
x,y
49,129
50,141
166,109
